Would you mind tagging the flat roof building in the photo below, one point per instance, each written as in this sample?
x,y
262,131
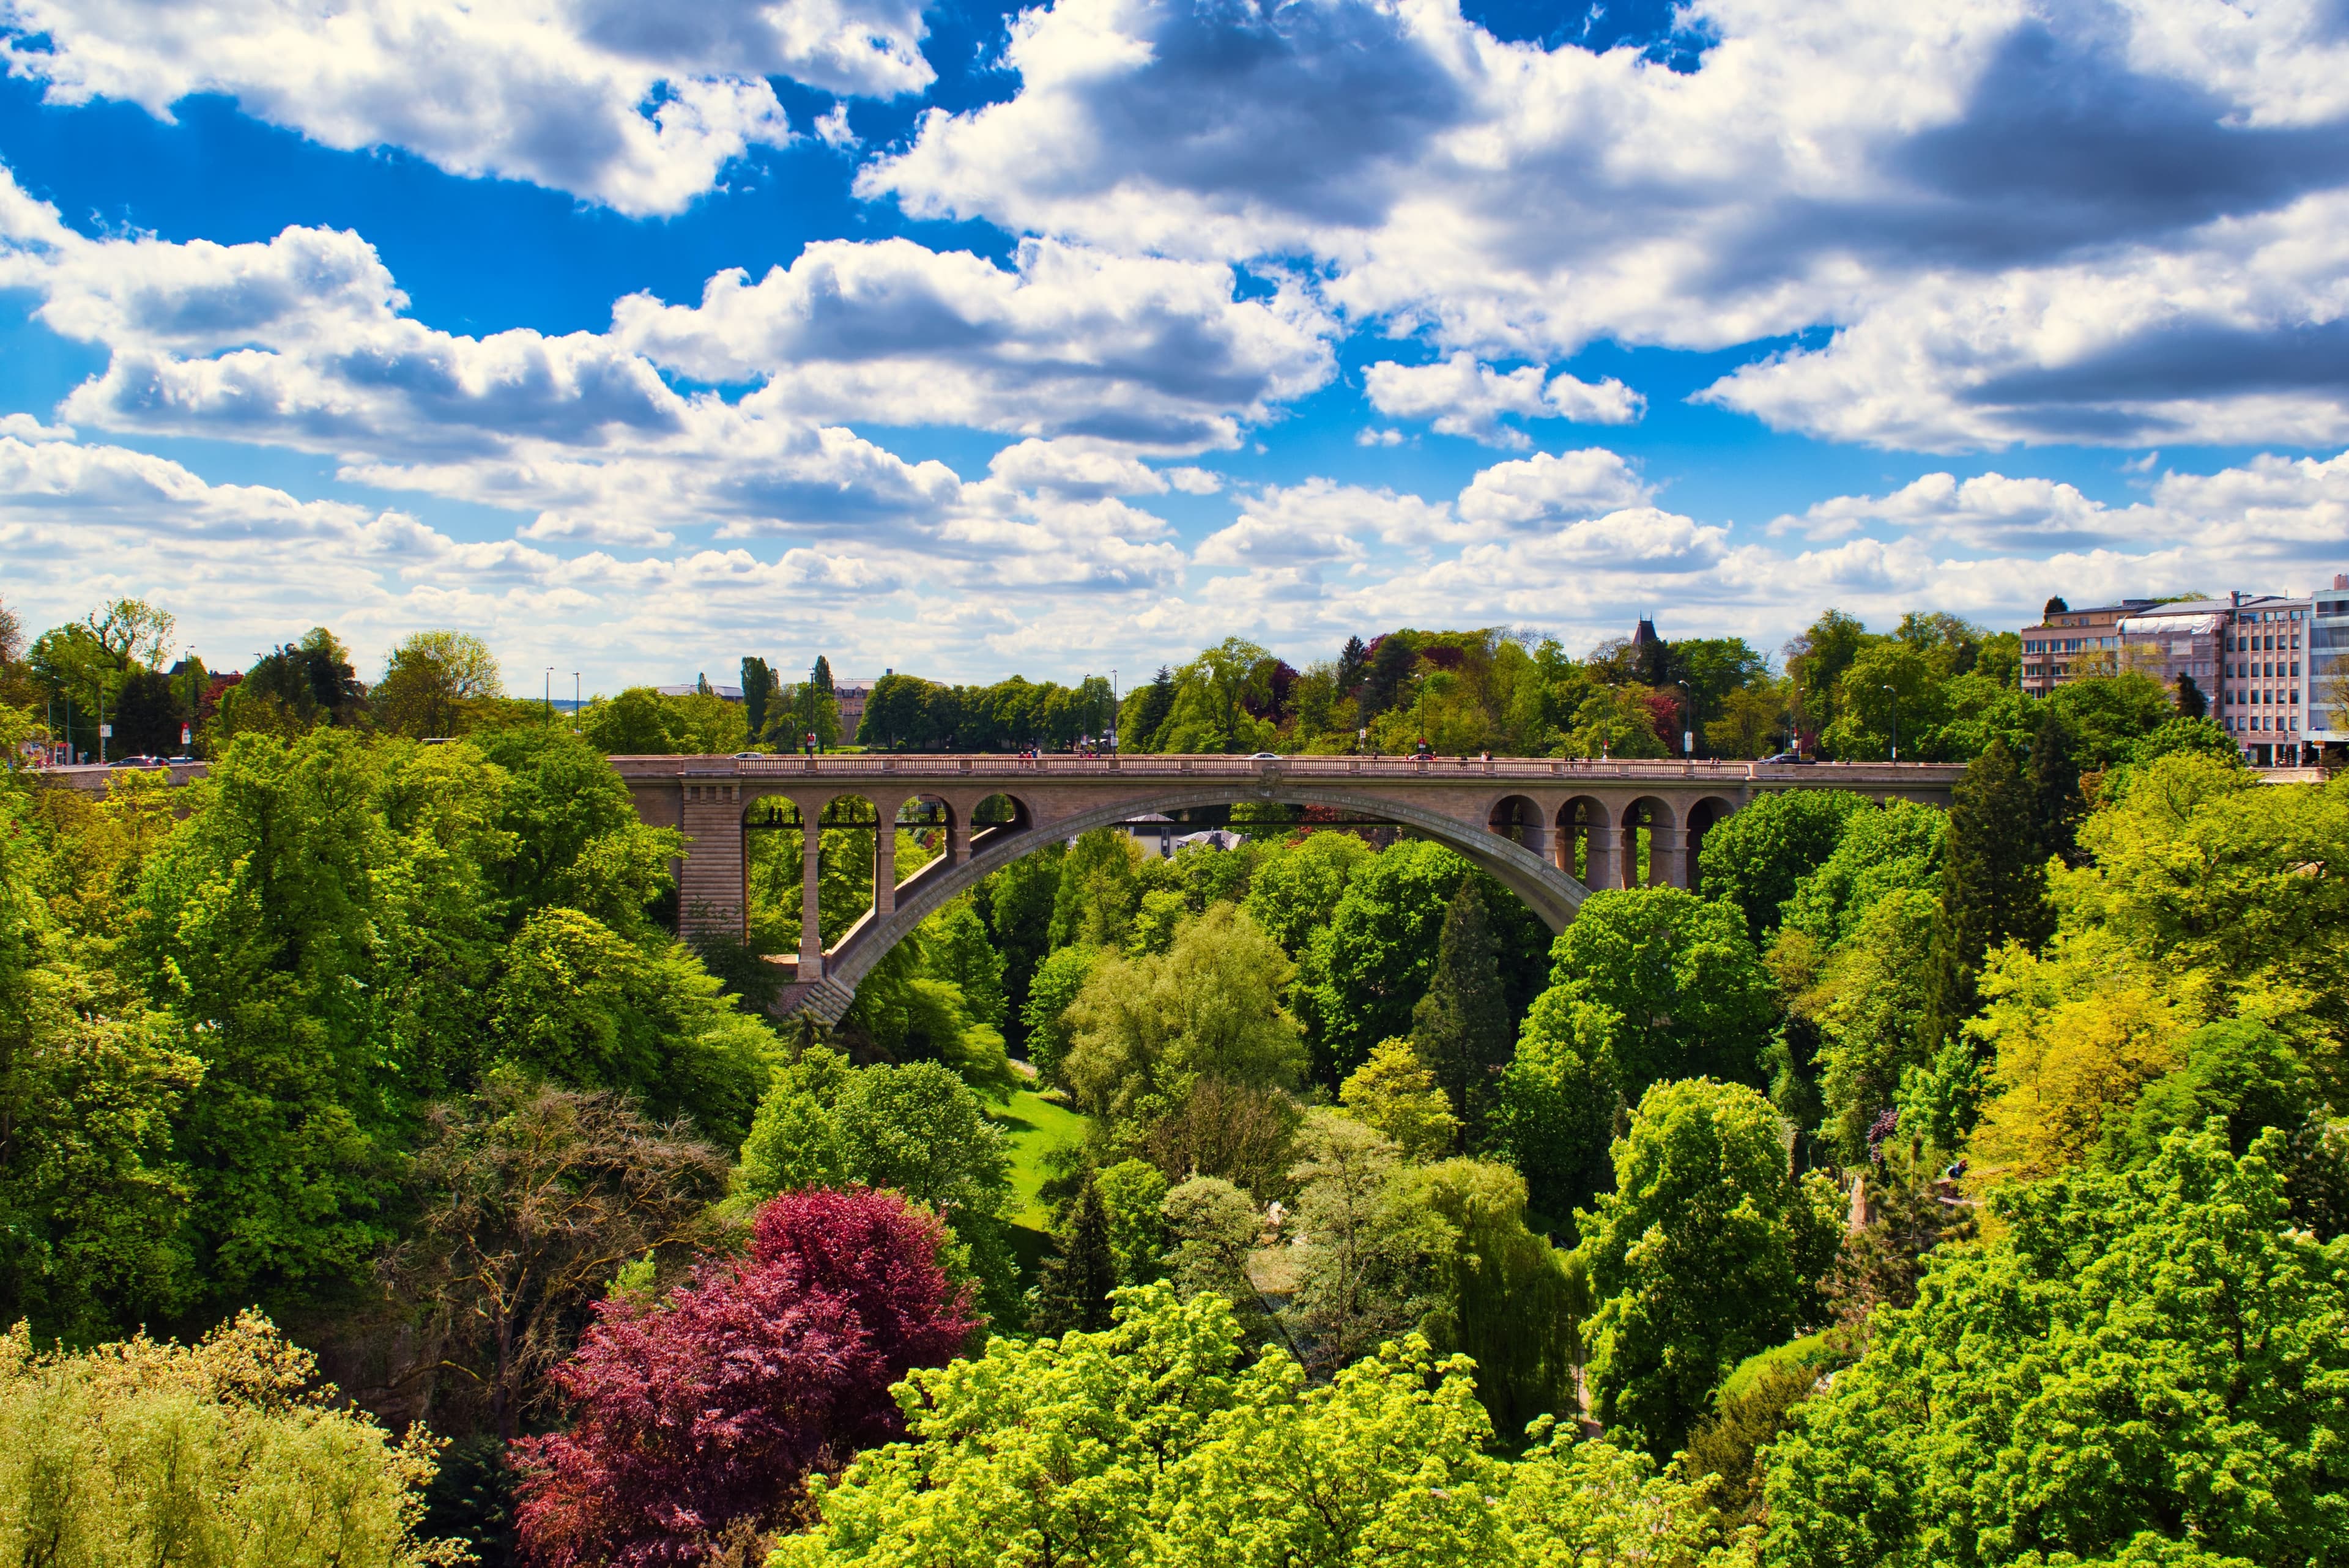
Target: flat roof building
x,y
2265,662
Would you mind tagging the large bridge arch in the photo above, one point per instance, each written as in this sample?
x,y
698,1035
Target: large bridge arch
x,y
1547,828
1549,893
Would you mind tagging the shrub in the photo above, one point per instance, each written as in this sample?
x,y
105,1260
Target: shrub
x,y
226,1453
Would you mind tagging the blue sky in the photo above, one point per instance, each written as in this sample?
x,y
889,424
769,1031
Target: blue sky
x,y
969,340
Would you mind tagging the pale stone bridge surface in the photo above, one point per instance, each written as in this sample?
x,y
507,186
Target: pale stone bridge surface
x,y
1529,821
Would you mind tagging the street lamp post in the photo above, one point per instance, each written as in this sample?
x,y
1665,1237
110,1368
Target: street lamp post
x,y
1688,720
550,696
1896,724
575,702
1113,713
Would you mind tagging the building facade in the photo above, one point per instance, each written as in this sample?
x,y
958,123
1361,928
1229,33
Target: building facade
x,y
2328,665
2268,666
2072,643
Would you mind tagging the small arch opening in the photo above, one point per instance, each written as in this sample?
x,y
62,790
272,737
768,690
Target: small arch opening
x,y
1574,852
774,841
999,811
1647,833
1517,819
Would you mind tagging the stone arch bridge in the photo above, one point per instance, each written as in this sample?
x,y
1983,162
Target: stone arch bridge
x,y
1547,829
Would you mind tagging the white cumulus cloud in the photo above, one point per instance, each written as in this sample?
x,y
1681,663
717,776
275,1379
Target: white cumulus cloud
x,y
1463,397
638,107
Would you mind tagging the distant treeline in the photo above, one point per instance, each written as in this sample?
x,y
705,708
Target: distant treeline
x,y
904,713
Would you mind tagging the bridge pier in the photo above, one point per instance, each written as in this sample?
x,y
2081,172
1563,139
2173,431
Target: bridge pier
x,y
884,866
1667,857
811,876
1606,856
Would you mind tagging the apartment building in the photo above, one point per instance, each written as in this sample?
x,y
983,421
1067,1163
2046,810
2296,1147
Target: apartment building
x,y
2070,644
2328,665
2266,664
2263,696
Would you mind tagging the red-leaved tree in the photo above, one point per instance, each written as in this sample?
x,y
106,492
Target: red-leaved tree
x,y
713,1406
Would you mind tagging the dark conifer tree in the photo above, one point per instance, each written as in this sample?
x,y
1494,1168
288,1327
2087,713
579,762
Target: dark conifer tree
x,y
1461,1028
1157,700
1993,885
1074,1292
2192,703
1352,661
1391,661
758,684
821,677
2056,807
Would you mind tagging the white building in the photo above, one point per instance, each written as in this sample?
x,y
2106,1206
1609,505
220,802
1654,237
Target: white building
x,y
2328,665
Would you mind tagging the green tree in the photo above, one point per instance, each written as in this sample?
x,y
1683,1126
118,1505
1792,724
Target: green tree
x,y
1680,972
582,1006
252,921
1510,1299
1867,1004
2108,714
227,1452
293,687
1815,663
1395,1094
1058,984
1144,710
1212,1226
1095,902
1075,1289
1892,694
1460,1029
2237,1070
2053,777
1556,1104
1371,963
569,834
95,1198
916,1128
1215,696
1898,845
1708,1250
1017,904
1149,1444
437,683
1294,888
795,1139
920,1129
1144,1031
758,688
1994,889
2145,1368
2192,733
957,950
1365,1272
1756,857
1133,1194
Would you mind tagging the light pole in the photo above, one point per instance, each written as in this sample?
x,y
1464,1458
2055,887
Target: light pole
x,y
1896,724
1688,721
1113,713
550,696
575,702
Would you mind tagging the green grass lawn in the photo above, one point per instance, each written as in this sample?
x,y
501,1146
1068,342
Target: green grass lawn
x,y
1034,1126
